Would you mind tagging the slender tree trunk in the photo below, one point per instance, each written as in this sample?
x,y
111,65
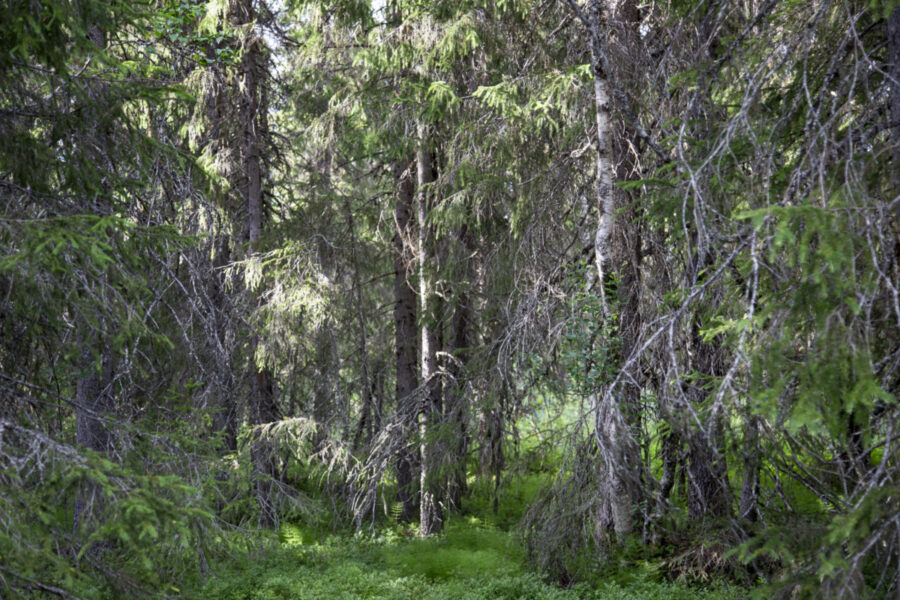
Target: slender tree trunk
x,y
94,401
709,493
616,425
749,507
226,416
253,116
370,417
405,328
606,205
893,39
669,454
93,390
430,510
323,390
456,407
364,429
708,489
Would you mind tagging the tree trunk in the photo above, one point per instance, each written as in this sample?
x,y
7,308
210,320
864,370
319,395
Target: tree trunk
x,y
364,429
405,328
606,205
709,493
456,407
323,390
253,116
430,510
669,455
93,390
225,420
94,400
749,508
893,39
617,423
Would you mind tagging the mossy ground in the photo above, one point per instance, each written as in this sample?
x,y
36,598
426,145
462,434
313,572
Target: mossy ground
x,y
469,561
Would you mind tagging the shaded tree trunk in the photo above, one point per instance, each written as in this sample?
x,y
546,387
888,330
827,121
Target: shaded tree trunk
x,y
94,400
253,117
709,493
430,508
323,388
456,405
893,39
93,390
405,328
708,489
749,506
364,428
225,420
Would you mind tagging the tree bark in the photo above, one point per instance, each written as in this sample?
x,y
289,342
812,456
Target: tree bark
x,y
893,39
364,428
606,206
616,425
94,400
430,509
253,117
323,391
709,493
456,407
225,420
749,506
405,328
93,390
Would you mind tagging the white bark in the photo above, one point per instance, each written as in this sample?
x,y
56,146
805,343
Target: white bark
x,y
606,205
614,438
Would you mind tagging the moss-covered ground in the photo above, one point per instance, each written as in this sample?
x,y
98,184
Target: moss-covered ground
x,y
469,561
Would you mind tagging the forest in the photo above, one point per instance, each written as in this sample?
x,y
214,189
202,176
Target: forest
x,y
450,299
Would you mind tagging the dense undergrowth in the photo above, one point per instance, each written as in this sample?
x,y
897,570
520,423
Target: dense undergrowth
x,y
469,561
478,556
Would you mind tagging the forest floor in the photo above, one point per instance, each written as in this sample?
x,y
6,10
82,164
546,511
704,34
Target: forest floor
x,y
471,560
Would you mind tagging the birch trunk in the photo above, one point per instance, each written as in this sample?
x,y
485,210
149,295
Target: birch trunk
x,y
614,426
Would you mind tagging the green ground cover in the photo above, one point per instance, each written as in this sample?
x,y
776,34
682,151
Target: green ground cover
x,y
469,561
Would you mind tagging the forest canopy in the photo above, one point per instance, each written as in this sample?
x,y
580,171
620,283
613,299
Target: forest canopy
x,y
628,265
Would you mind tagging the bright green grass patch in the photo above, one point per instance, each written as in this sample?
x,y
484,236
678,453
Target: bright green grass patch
x,y
464,550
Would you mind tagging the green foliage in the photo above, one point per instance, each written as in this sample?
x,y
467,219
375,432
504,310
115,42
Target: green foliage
x,y
513,498
134,531
197,27
592,345
49,32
